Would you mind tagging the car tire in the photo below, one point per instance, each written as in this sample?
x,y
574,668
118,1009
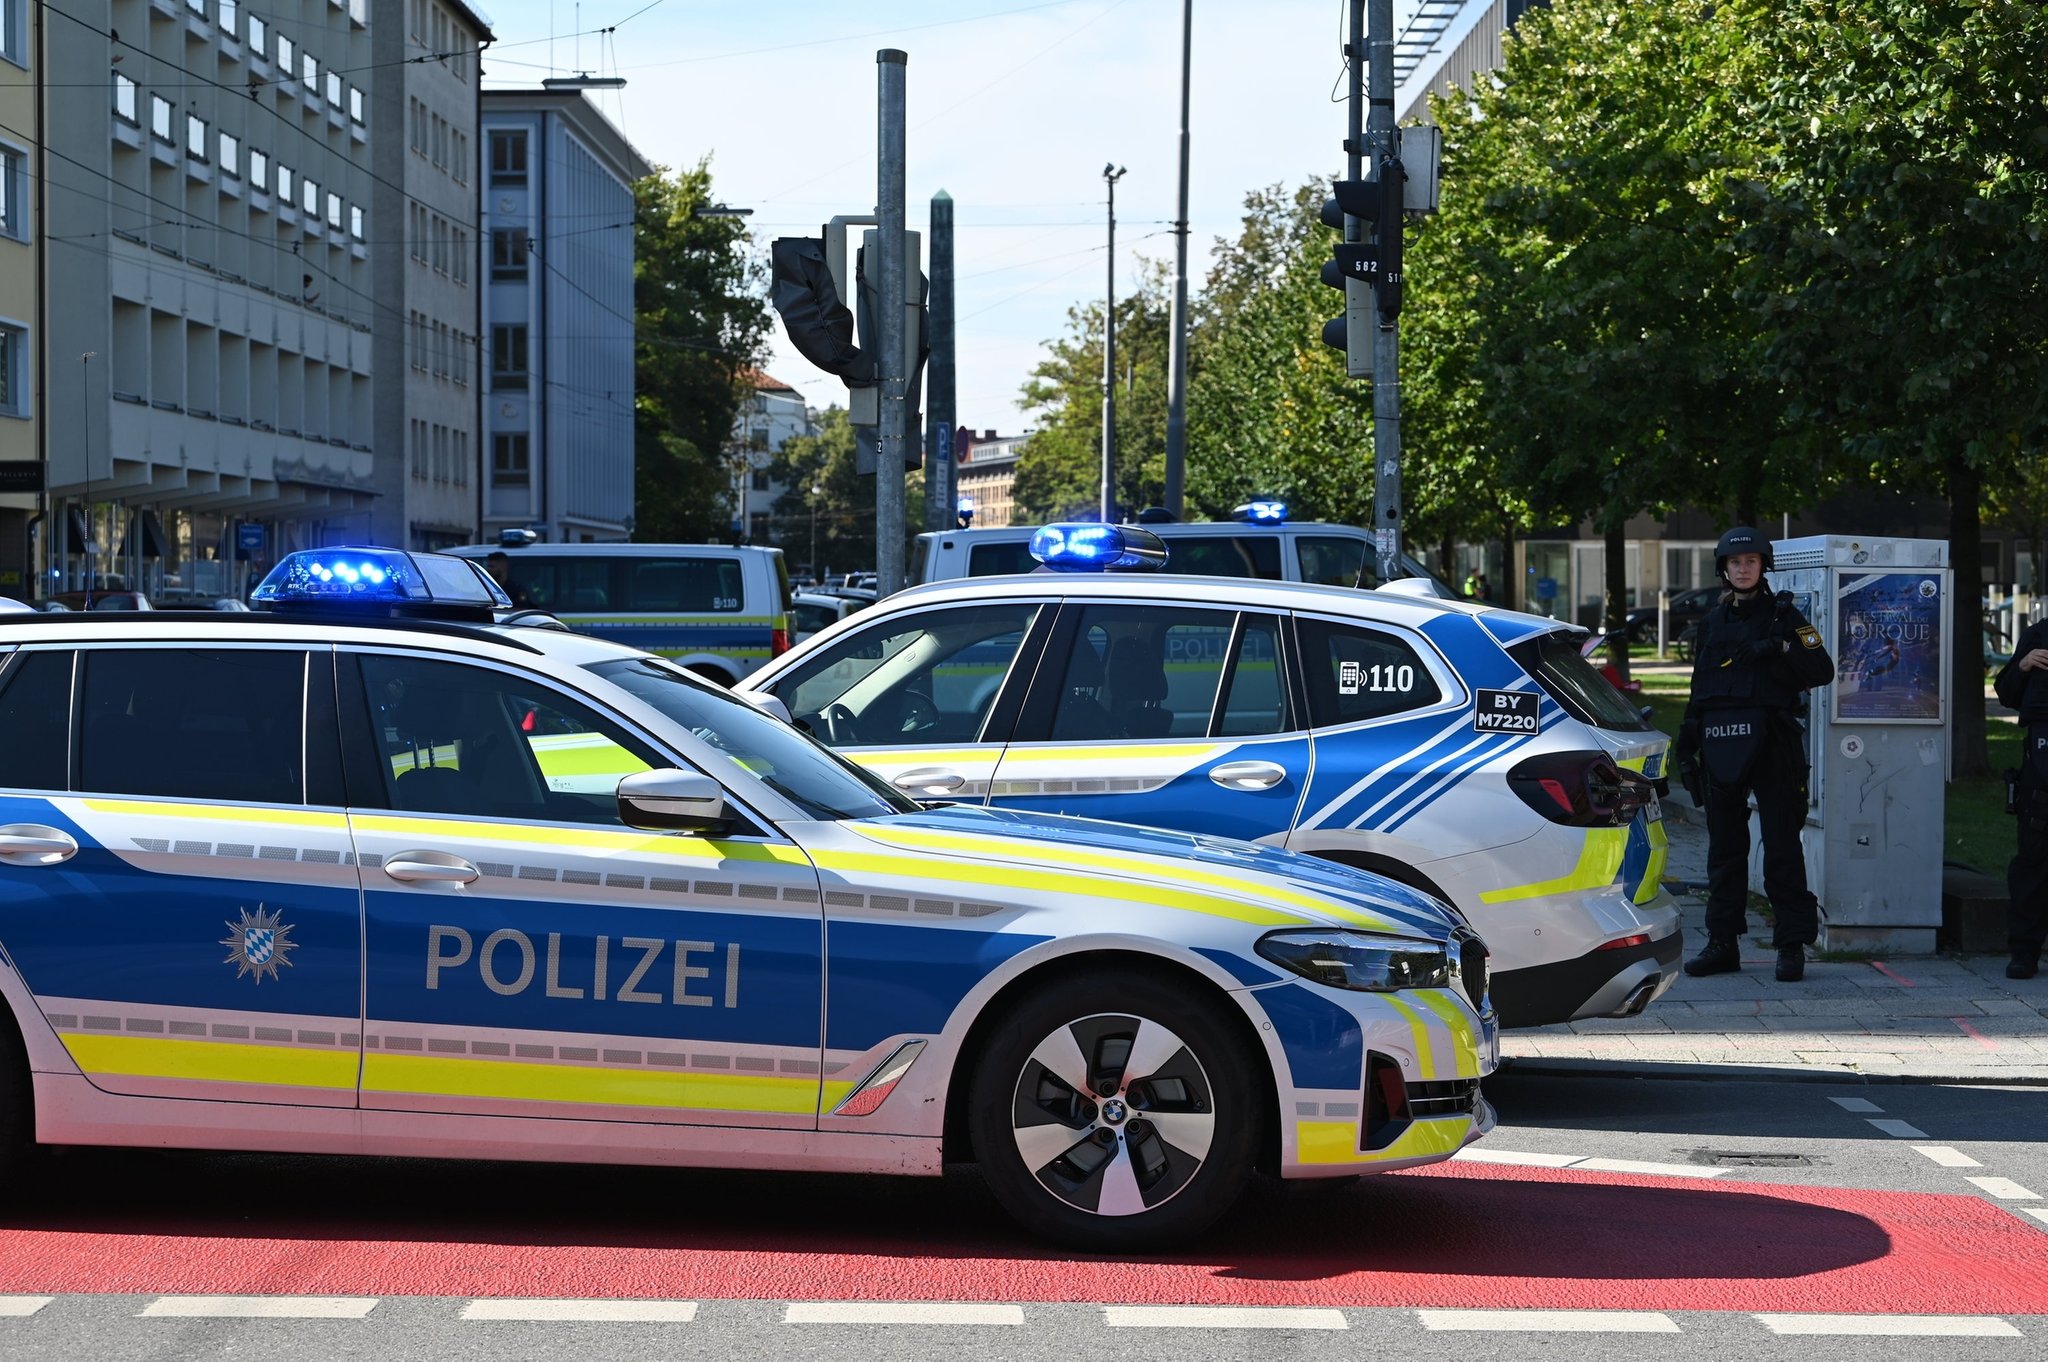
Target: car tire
x,y
17,1108
1115,1112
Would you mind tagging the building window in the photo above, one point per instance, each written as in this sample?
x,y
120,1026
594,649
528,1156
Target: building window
x,y
230,155
508,158
355,222
13,31
284,56
198,7
124,98
13,195
227,16
258,37
508,358
309,197
509,461
284,184
309,72
334,211
355,104
461,167
196,137
160,117
13,388
259,170
334,89
508,253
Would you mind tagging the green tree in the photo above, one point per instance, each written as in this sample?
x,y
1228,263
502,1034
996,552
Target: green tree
x,y
825,498
1901,219
702,327
1059,475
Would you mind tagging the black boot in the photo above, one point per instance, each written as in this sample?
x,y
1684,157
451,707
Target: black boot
x,y
2025,964
1718,956
1791,964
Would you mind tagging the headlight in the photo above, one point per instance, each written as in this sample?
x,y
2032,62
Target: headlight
x,y
1360,960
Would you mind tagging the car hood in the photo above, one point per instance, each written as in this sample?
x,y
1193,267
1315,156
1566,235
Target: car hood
x,y
1293,886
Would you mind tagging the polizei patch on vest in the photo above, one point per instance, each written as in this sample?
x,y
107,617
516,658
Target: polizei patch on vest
x,y
1730,730
1505,711
1809,635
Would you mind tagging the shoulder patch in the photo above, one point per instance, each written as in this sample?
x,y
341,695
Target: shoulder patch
x,y
1809,635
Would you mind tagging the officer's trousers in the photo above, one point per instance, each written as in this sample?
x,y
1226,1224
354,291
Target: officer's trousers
x,y
2026,879
1778,779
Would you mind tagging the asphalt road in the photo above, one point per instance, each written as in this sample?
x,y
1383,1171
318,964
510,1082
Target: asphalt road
x,y
1657,1218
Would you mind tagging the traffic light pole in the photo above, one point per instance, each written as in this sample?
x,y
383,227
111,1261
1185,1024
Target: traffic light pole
x,y
895,379
1385,143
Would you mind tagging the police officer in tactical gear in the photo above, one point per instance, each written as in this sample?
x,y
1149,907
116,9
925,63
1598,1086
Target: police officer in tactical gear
x,y
2022,684
1754,656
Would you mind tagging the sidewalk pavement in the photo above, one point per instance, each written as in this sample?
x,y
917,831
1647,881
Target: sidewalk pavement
x,y
1917,1019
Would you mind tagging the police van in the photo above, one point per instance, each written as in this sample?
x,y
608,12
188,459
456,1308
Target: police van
x,y
368,872
717,610
1259,541
1468,751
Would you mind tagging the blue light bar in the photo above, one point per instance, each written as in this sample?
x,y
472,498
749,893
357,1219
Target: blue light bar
x,y
1262,513
391,580
1098,548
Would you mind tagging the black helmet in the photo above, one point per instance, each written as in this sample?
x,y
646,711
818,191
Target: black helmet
x,y
1741,539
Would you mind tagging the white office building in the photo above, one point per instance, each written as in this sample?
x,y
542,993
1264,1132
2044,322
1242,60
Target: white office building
x,y
557,226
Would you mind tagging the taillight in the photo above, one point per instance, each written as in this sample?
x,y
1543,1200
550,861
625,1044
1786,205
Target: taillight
x,y
778,642
1624,942
1580,789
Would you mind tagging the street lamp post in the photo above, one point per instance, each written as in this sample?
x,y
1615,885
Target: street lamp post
x,y
1111,173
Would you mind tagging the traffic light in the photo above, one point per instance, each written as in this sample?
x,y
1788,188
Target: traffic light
x,y
819,323
1368,270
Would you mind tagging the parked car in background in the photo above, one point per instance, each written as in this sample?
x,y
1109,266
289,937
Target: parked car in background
x,y
812,611
99,600
1682,611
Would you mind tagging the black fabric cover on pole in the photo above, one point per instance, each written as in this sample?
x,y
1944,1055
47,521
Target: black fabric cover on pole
x,y
817,321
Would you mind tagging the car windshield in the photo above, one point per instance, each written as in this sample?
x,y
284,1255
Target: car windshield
x,y
1576,684
780,757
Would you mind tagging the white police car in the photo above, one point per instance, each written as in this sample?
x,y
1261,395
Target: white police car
x,y
370,873
1467,751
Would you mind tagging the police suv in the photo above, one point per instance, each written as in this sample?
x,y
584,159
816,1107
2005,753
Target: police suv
x,y
369,872
1467,751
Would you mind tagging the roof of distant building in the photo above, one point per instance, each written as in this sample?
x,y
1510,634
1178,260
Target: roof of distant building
x,y
763,382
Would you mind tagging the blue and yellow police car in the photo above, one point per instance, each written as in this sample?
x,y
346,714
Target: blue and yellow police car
x,y
375,870
1467,751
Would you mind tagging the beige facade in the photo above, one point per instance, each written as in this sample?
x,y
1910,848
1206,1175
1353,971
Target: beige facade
x,y
987,473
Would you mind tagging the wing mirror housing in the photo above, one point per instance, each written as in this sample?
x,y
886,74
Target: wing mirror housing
x,y
668,800
770,705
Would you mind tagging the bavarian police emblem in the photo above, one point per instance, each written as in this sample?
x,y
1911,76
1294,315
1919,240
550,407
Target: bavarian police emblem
x,y
1809,635
258,944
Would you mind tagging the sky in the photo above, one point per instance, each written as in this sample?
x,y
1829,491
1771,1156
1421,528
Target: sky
x,y
1013,108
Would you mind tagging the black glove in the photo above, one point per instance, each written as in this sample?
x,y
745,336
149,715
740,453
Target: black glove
x,y
1764,649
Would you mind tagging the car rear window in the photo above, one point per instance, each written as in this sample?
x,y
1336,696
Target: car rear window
x,y
1000,560
1576,684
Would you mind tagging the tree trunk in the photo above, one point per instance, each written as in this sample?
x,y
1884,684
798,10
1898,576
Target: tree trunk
x,y
1617,593
1509,595
1966,620
1446,554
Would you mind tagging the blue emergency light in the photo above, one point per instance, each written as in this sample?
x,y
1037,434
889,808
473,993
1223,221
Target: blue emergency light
x,y
1262,513
389,581
1098,548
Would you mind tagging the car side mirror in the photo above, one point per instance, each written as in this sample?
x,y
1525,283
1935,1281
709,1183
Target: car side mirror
x,y
668,800
1646,711
768,704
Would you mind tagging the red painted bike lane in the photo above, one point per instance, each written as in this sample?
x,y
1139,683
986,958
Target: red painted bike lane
x,y
1463,1236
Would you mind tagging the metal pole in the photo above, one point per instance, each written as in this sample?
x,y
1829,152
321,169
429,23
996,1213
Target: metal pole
x,y
1385,143
92,529
1111,173
895,378
938,461
1177,360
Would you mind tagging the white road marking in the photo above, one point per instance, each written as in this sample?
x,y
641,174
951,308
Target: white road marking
x,y
1897,1326
2036,1212
2005,1189
1475,1154
1859,1105
1662,1170
1946,1157
900,1312
1220,1317
259,1307
1899,1130
15,1307
583,1311
1552,1321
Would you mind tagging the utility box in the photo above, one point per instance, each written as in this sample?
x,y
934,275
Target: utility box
x,y
1878,738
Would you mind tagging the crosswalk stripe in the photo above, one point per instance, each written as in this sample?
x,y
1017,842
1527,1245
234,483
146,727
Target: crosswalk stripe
x,y
1946,1157
2036,1212
1896,1326
1476,1154
2005,1189
16,1307
1899,1130
1552,1321
259,1307
584,1311
1859,1105
900,1312
1220,1317
1661,1170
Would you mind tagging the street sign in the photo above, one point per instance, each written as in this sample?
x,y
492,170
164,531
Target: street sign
x,y
251,539
23,476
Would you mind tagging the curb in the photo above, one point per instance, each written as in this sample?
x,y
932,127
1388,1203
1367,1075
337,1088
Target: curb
x,y
1756,1073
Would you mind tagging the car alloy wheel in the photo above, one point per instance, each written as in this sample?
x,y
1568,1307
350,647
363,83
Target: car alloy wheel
x,y
1115,1115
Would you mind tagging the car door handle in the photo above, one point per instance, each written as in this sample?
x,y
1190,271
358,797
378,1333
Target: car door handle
x,y
430,867
928,779
35,844
1248,775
